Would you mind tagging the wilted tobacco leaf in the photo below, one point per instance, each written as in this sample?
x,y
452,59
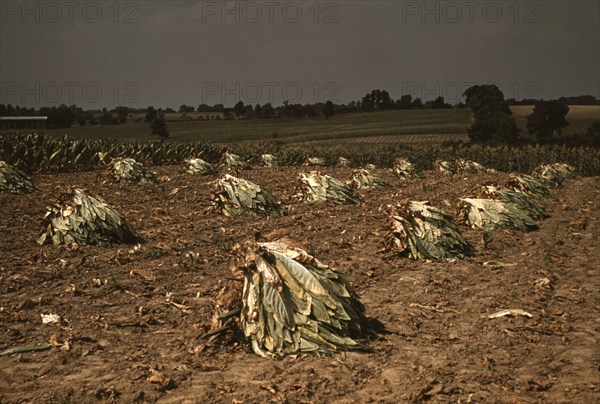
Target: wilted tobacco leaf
x,y
127,169
315,161
490,214
470,166
364,179
315,187
404,169
554,174
269,160
236,196
446,167
529,185
199,166
343,162
424,232
234,162
82,219
14,181
292,303
529,203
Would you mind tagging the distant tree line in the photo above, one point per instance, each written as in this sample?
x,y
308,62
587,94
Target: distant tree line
x,y
577,100
493,120
65,116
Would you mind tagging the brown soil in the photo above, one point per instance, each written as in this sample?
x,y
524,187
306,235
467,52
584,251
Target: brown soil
x,y
120,340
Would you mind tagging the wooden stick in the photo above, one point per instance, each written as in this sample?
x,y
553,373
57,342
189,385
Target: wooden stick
x,y
27,348
216,332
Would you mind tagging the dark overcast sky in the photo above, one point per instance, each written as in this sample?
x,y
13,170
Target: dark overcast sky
x,y
171,53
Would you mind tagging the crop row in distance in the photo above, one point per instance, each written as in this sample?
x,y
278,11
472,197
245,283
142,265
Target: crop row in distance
x,y
42,152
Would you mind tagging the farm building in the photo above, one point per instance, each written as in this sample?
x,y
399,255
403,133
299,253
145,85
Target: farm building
x,y
23,122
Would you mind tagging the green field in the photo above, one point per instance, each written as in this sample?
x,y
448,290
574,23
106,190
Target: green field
x,y
397,127
289,130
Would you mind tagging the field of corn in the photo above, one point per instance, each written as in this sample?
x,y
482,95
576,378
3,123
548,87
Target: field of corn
x,y
35,152
191,272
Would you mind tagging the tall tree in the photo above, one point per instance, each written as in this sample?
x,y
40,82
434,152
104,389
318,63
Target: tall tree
x,y
186,108
376,100
151,114
258,111
547,117
439,103
493,119
368,103
158,127
329,110
383,100
122,114
405,102
267,111
90,119
106,117
249,111
239,109
61,117
591,137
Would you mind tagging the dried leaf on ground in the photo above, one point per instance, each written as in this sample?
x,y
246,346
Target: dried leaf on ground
x,y
510,312
543,283
50,318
